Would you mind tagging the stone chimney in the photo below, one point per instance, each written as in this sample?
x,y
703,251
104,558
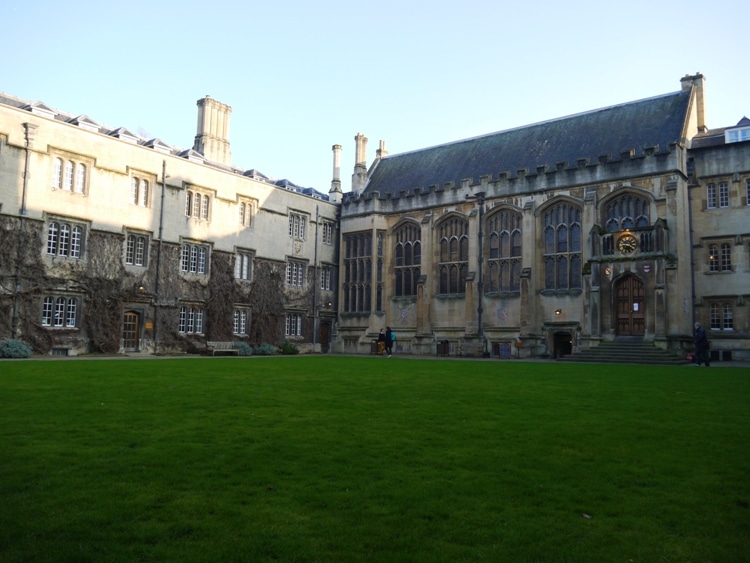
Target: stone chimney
x,y
334,194
381,152
697,82
212,140
359,178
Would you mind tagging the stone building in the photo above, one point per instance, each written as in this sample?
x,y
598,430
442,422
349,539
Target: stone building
x,y
113,242
627,222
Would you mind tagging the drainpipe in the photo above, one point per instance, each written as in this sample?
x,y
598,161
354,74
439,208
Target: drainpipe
x,y
158,254
29,132
692,252
315,280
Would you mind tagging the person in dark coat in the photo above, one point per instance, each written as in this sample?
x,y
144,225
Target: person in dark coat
x,y
389,341
701,346
381,341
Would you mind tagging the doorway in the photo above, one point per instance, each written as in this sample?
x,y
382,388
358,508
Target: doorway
x,y
630,307
563,344
131,336
325,337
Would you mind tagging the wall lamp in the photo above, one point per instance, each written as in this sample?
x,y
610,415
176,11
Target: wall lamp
x,y
558,311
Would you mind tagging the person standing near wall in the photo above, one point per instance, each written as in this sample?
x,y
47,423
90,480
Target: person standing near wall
x,y
381,341
701,346
389,338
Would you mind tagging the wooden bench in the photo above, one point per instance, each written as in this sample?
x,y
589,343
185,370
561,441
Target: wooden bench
x,y
222,348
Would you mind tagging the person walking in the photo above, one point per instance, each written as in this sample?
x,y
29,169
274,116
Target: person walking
x,y
389,338
381,341
701,346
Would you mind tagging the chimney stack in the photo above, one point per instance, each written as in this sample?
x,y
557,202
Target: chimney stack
x,y
359,178
334,194
381,152
697,82
212,140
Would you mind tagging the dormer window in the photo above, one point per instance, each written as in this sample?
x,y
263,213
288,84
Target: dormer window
x,y
738,133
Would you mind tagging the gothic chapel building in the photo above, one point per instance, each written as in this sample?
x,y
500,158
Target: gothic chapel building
x,y
627,222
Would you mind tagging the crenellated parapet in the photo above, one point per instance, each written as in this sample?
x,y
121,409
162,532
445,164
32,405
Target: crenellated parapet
x,y
524,182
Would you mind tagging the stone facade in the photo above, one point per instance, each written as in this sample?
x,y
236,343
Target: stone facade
x,y
628,222
591,228
112,242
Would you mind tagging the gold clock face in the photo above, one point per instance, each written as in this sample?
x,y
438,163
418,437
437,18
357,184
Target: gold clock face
x,y
627,244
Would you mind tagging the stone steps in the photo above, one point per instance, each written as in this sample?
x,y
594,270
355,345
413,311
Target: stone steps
x,y
626,352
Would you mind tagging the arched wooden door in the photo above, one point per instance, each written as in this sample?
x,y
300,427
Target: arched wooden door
x,y
630,306
131,336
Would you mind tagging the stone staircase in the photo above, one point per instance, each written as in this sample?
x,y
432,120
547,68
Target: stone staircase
x,y
626,352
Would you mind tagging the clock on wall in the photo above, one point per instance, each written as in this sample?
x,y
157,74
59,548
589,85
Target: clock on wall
x,y
627,243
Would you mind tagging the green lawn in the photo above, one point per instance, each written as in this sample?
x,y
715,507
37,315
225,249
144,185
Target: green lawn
x,y
339,459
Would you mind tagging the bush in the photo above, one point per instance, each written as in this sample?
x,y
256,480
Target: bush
x,y
243,348
264,349
14,349
289,349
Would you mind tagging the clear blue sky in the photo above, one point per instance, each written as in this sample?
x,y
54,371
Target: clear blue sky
x,y
301,76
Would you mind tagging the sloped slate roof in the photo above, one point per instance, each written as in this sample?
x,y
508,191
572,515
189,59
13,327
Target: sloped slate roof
x,y
654,122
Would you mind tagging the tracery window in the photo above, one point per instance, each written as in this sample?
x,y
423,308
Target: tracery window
x,y
504,253
357,283
407,258
562,247
625,212
453,236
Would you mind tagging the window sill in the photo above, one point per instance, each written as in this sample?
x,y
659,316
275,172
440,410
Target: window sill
x,y
561,292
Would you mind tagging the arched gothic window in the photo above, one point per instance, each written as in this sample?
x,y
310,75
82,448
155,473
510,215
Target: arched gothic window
x,y
453,268
627,211
562,247
407,259
504,253
357,284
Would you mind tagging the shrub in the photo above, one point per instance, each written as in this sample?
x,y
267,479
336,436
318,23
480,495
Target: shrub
x,y
243,348
288,349
14,349
264,349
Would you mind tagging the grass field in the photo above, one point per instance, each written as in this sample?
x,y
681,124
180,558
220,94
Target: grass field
x,y
370,459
